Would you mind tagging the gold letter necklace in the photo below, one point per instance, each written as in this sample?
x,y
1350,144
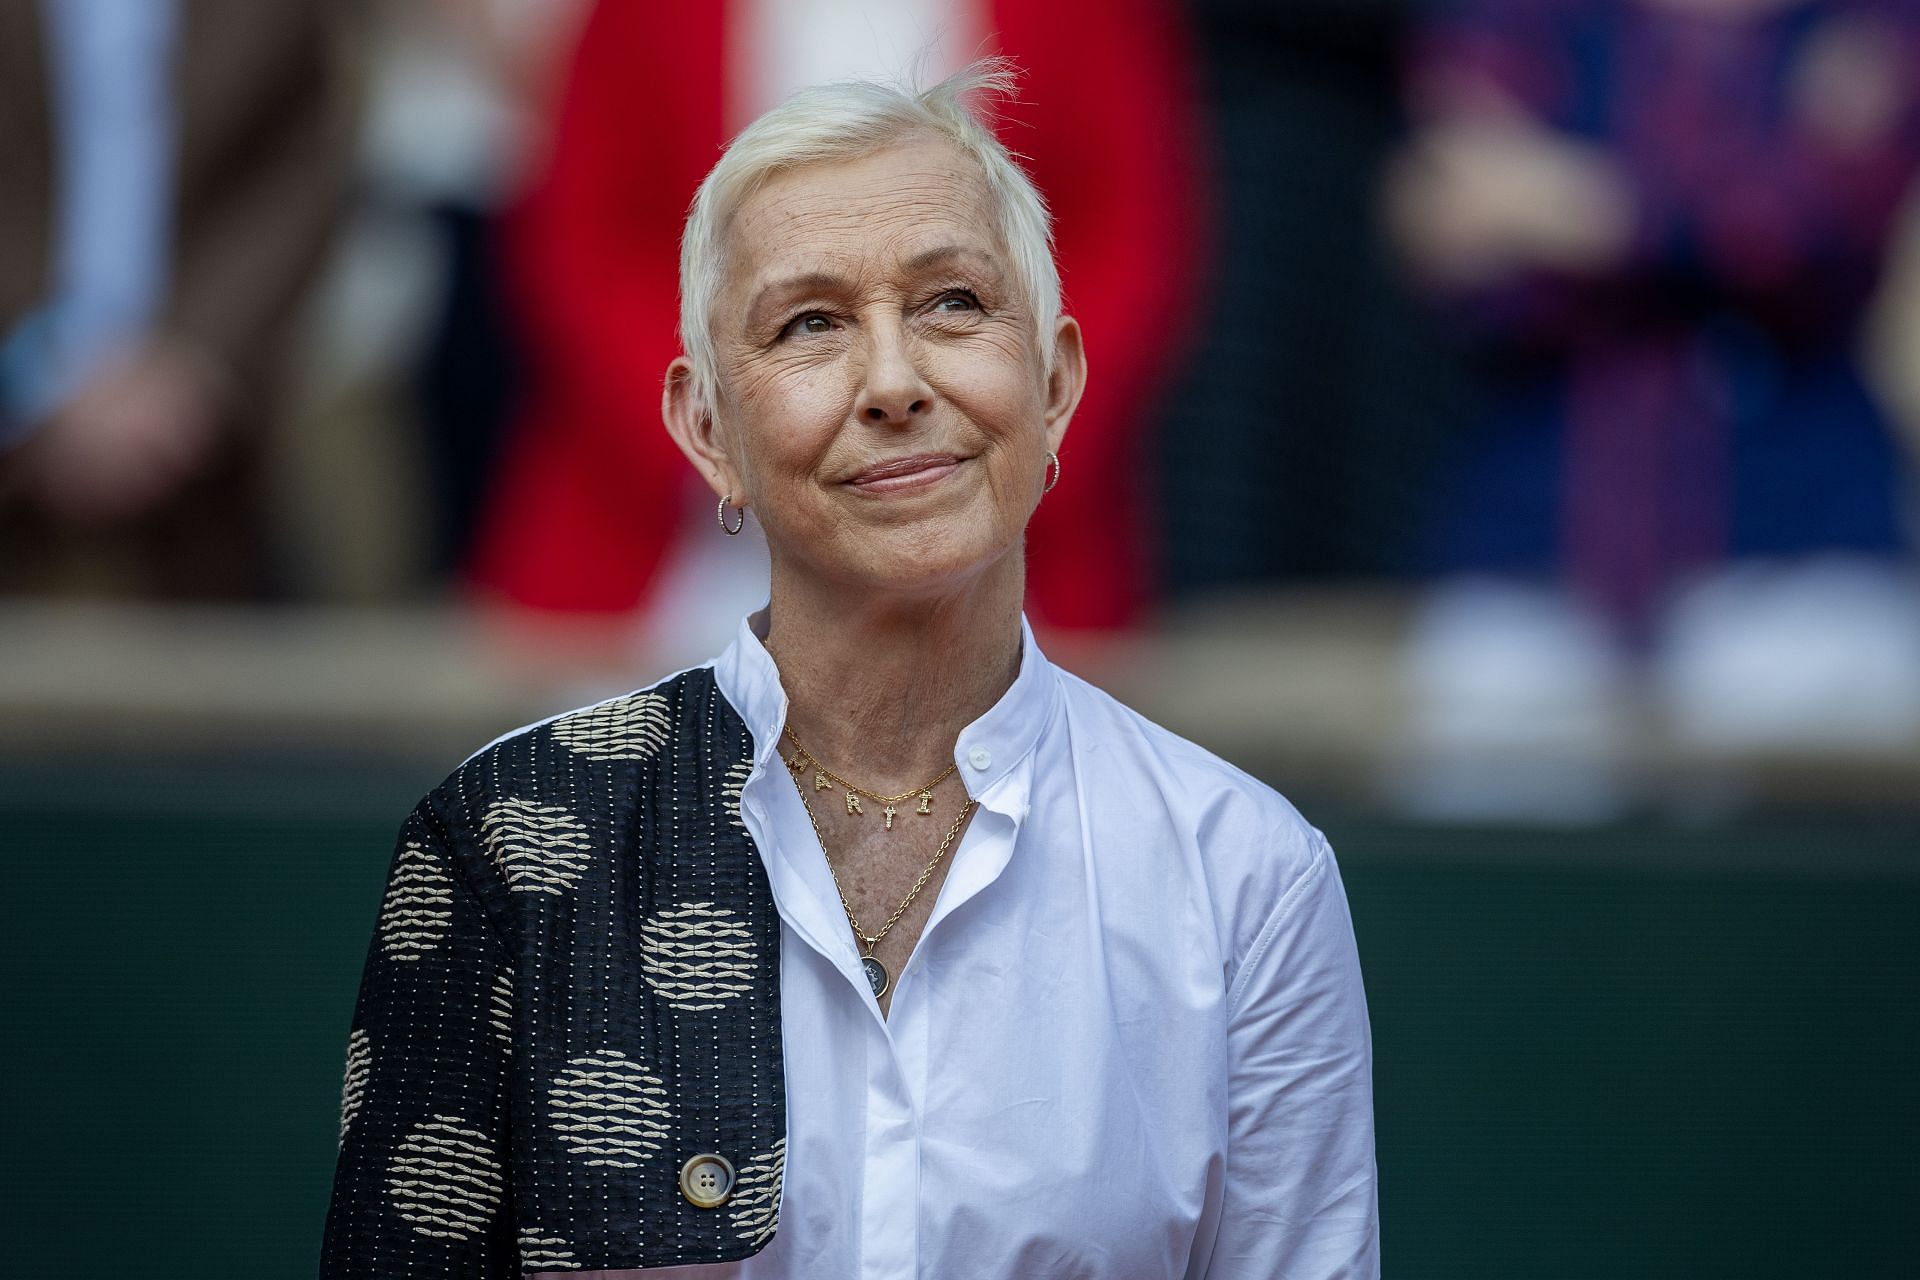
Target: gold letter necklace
x,y
825,779
877,976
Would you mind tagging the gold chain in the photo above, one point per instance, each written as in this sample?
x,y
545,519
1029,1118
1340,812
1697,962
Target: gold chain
x,y
870,941
824,775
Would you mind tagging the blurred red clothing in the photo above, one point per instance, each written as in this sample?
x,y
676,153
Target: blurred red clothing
x,y
590,495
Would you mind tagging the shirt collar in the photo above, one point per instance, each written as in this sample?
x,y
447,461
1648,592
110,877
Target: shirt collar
x,y
993,753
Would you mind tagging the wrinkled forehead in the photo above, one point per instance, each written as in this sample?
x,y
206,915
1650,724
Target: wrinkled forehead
x,y
857,218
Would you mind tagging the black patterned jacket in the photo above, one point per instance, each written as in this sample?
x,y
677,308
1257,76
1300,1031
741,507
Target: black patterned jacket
x,y
571,993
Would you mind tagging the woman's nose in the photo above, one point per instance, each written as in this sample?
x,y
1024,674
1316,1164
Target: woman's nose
x,y
894,390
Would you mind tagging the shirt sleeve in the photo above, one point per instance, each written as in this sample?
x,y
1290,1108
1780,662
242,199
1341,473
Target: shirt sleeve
x,y
1299,1197
422,1185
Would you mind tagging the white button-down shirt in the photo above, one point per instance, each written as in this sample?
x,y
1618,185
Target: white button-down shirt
x,y
1130,1043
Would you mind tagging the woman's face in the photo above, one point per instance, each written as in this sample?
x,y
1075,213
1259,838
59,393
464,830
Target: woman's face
x,y
883,408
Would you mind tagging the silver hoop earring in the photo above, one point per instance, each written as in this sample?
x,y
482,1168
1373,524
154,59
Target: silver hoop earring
x,y
734,528
1053,471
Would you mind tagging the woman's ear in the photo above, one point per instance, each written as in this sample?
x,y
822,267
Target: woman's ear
x,y
1067,380
691,424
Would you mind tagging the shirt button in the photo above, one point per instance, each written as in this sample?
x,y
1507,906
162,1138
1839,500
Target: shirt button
x,y
707,1181
980,757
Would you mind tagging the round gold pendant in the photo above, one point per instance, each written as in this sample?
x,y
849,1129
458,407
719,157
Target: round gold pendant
x,y
877,976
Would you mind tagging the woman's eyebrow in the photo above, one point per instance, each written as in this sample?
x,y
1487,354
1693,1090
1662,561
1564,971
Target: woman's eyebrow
x,y
940,254
808,282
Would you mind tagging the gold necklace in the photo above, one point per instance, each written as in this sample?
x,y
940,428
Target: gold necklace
x,y
877,976
825,778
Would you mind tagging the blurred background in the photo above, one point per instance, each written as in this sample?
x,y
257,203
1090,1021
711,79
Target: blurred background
x,y
1502,439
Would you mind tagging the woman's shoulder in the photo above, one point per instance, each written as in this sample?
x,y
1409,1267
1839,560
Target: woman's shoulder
x,y
562,758
645,702
1140,753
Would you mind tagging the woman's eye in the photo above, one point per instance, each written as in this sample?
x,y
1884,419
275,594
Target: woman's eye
x,y
965,302
812,322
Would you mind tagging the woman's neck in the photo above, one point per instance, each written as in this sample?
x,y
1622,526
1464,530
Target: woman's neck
x,y
879,688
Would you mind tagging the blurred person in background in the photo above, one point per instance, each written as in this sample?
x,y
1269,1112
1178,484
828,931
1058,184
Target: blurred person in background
x,y
591,500
465,114
1658,225
413,361
414,367
173,170
1300,434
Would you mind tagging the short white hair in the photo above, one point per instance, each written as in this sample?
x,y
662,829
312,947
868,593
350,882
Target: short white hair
x,y
844,121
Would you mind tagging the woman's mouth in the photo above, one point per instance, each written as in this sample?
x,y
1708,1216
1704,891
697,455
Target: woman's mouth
x,y
915,471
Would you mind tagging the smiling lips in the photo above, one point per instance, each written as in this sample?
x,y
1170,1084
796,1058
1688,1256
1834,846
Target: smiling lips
x,y
912,472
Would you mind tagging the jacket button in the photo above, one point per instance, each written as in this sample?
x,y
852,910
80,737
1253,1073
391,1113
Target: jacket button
x,y
707,1181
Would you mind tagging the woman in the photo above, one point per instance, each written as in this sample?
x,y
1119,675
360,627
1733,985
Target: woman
x,y
1023,984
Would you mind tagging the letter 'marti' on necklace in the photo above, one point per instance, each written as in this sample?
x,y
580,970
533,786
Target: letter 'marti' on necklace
x,y
826,780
